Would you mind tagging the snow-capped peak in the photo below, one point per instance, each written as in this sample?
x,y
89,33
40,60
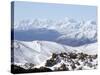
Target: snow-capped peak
x,y
46,23
67,29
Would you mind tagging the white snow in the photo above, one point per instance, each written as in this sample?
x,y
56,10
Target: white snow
x,y
90,49
39,51
69,28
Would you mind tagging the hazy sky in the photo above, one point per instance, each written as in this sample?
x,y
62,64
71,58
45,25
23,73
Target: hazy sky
x,y
31,10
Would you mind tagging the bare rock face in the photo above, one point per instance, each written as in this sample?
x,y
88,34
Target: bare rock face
x,y
60,62
17,69
72,61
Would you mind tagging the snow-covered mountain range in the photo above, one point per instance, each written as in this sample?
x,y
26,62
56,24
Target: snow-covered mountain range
x,y
38,52
53,44
76,33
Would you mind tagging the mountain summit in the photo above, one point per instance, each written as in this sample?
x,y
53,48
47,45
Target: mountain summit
x,y
67,31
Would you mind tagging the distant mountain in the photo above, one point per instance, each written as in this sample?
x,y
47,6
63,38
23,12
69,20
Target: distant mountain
x,y
36,34
67,31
